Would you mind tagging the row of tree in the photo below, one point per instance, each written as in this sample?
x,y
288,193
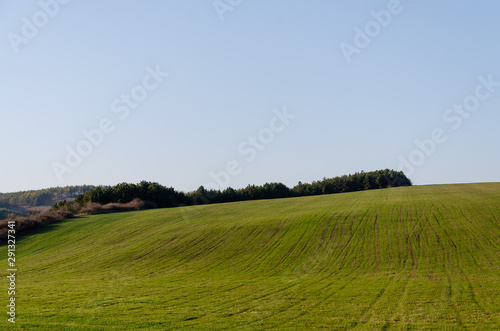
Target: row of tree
x,y
123,193
168,197
357,182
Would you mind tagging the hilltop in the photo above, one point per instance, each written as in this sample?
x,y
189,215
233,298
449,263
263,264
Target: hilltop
x,y
398,258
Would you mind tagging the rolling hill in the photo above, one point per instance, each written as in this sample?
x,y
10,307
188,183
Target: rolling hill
x,y
411,258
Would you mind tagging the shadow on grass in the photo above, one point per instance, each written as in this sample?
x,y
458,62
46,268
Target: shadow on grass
x,y
40,229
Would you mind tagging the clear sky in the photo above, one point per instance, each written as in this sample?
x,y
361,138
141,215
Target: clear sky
x,y
262,90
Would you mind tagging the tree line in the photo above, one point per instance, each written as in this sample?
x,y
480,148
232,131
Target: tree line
x,y
163,197
42,197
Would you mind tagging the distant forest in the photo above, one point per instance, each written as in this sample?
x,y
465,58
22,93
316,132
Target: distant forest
x,y
162,196
19,203
43,197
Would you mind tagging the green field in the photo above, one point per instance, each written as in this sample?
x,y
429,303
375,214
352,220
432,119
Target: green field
x,y
412,258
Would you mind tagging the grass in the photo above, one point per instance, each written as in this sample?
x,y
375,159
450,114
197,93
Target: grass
x,y
414,258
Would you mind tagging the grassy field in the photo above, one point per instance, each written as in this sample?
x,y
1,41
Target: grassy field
x,y
409,258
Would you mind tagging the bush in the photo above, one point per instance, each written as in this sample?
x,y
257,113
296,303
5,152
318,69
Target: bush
x,y
25,224
53,216
92,208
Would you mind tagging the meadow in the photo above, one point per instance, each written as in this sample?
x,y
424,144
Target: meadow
x,y
408,258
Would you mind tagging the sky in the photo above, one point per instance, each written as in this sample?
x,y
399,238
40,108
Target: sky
x,y
233,92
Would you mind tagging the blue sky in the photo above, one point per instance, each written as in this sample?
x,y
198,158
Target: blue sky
x,y
227,80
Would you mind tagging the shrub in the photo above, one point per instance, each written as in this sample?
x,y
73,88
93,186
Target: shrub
x,y
25,224
91,208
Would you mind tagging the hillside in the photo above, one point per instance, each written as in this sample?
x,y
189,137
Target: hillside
x,y
401,258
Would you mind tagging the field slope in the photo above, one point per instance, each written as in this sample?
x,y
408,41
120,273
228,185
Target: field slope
x,y
409,258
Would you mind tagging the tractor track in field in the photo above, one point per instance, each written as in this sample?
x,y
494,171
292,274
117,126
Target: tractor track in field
x,y
449,300
400,302
389,242
191,243
450,238
323,234
338,221
422,234
470,287
459,268
252,235
251,298
376,244
484,217
351,236
409,248
399,228
440,244
449,291
324,301
352,233
422,231
328,277
216,241
263,253
365,313
246,298
331,280
291,249
479,211
173,238
252,238
466,226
